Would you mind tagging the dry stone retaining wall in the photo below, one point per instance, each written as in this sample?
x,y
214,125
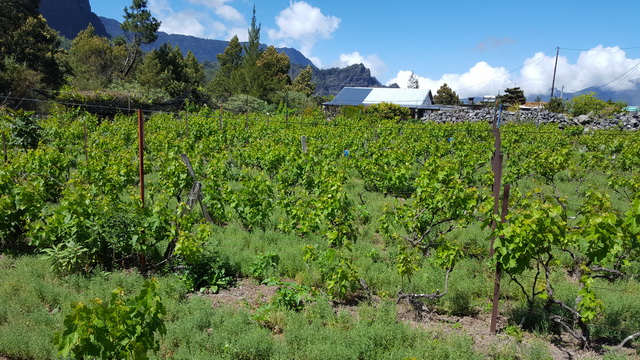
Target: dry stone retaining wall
x,y
624,121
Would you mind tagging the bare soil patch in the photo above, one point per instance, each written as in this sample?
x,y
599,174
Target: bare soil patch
x,y
477,328
246,294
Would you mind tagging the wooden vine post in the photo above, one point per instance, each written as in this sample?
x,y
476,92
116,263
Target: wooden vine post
x,y
186,125
4,145
496,165
84,131
141,153
221,124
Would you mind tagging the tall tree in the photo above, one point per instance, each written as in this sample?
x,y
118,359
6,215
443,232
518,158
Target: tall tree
x,y
142,28
231,59
446,96
94,62
413,83
26,42
167,69
251,55
273,69
303,82
512,96
226,81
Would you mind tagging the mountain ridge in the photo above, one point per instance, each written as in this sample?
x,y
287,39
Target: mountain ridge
x,y
69,17
203,49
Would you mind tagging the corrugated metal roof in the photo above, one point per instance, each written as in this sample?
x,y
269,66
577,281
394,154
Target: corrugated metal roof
x,y
350,96
402,97
414,98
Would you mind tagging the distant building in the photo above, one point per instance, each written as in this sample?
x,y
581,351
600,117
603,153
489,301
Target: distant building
x,y
420,101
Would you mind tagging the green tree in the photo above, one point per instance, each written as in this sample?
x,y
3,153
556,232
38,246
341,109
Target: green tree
x,y
590,103
303,82
142,27
446,96
27,44
167,69
413,83
586,103
250,61
226,81
193,71
273,69
94,62
231,59
555,105
512,96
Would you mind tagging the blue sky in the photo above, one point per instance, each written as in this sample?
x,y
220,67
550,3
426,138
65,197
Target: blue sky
x,y
478,48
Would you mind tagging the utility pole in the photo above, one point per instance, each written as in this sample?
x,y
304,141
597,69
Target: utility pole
x,y
553,83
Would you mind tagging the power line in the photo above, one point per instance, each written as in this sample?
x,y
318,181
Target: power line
x,y
623,74
509,72
424,128
603,49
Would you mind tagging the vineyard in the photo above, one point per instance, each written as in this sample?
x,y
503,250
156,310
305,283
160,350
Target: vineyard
x,y
360,231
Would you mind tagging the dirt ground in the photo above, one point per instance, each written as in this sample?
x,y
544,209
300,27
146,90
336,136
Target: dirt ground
x,y
249,295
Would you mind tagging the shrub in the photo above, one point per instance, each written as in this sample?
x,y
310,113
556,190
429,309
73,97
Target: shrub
x,y
115,330
587,103
25,131
388,111
555,105
239,104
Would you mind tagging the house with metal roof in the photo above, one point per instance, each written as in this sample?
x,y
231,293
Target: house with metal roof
x,y
418,100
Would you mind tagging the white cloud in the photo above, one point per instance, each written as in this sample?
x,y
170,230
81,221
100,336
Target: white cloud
x,y
316,61
184,22
594,67
481,79
212,19
229,13
226,12
240,32
303,25
376,65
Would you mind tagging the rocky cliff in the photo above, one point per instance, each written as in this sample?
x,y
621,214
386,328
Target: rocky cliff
x,y
331,81
69,17
203,49
72,16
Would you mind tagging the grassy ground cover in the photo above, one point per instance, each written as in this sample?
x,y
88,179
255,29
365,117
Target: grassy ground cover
x,y
308,252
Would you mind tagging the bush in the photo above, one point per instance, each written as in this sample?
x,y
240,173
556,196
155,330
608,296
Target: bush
x,y
587,103
114,330
239,104
388,111
207,272
25,131
555,105
294,102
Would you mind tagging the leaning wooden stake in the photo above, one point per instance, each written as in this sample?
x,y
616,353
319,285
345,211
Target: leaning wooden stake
x,y
196,191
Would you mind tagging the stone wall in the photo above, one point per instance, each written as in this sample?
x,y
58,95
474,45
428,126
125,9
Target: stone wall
x,y
625,121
